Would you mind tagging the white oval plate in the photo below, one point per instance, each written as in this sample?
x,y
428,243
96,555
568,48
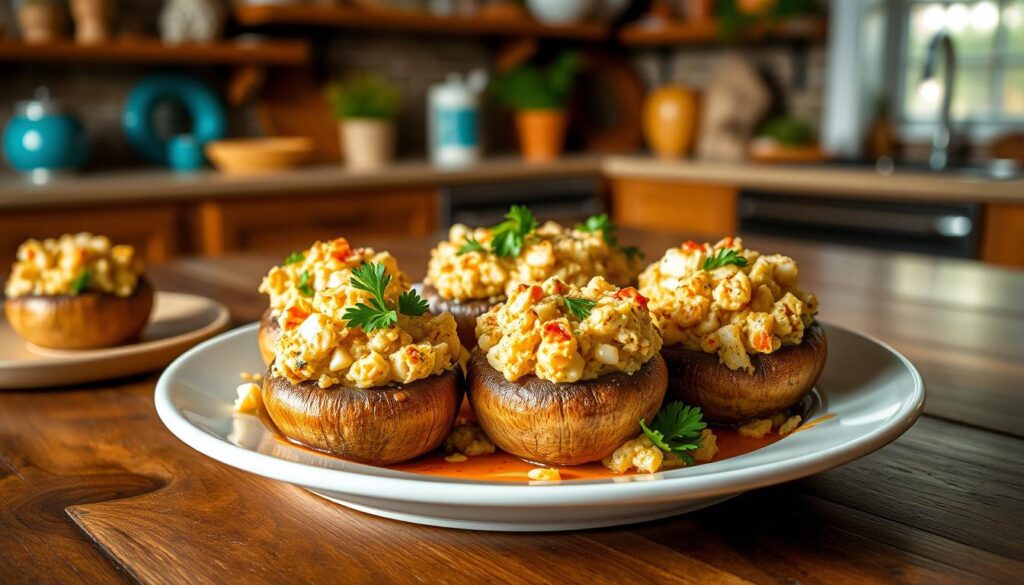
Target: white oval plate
x,y
868,395
178,322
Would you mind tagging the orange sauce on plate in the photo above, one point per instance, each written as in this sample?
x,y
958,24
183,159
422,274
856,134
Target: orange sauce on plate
x,y
502,467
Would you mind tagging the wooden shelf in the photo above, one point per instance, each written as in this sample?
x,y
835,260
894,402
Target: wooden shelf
x,y
347,17
705,32
261,52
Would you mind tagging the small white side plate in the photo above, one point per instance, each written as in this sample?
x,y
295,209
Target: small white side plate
x,y
179,321
867,396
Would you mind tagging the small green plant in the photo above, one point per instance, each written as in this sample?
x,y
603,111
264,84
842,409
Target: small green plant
x,y
529,87
364,95
734,18
787,130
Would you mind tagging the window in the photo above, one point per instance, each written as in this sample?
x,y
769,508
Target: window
x,y
988,38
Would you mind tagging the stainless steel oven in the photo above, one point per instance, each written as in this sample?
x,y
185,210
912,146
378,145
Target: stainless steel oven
x,y
565,200
943,229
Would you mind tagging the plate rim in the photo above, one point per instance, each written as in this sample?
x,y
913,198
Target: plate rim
x,y
458,492
217,324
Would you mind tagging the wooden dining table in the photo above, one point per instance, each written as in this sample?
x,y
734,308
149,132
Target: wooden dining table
x,y
94,489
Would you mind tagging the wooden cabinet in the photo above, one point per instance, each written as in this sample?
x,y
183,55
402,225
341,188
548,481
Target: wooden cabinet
x,y
693,208
152,229
1002,239
284,222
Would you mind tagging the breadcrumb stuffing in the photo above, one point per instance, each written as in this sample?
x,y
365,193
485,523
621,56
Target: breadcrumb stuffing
x,y
708,446
790,425
544,474
248,397
756,429
639,453
470,440
456,458
778,419
250,377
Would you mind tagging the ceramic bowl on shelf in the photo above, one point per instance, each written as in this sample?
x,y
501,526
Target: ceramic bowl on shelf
x,y
259,155
560,12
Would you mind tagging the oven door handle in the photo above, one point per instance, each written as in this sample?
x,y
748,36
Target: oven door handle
x,y
945,226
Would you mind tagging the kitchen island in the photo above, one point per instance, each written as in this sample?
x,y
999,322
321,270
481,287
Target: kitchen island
x,y
94,489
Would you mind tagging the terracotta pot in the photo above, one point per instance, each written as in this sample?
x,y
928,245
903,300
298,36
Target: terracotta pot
x,y
92,20
700,10
670,120
367,143
40,22
541,134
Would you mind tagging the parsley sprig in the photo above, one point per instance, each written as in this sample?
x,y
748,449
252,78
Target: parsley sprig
x,y
606,227
379,313
676,429
81,282
471,245
293,258
580,308
509,236
304,283
722,257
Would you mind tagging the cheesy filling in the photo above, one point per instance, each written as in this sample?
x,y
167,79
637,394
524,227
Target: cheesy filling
x,y
534,332
323,265
571,255
74,264
733,311
317,344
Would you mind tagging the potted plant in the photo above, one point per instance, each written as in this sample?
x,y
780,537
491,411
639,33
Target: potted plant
x,y
40,21
366,107
539,96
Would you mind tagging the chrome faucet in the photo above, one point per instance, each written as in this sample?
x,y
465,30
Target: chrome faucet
x,y
939,158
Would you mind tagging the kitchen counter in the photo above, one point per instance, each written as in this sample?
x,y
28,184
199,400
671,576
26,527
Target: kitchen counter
x,y
822,180
94,489
148,185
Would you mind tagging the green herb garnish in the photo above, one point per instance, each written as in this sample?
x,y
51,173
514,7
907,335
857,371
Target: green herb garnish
x,y
603,224
510,235
470,245
600,223
304,286
722,257
81,282
379,313
293,258
412,304
676,429
580,308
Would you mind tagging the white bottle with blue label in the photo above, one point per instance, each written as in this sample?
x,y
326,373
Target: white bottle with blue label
x,y
453,114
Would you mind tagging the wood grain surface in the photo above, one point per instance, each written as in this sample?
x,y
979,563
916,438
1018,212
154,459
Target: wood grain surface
x,y
93,489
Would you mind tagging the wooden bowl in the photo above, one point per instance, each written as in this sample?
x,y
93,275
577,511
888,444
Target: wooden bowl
x,y
465,313
270,330
779,381
86,321
567,423
379,426
259,155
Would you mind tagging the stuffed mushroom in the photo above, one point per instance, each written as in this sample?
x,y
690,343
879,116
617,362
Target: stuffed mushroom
x,y
475,269
741,340
77,292
363,372
562,374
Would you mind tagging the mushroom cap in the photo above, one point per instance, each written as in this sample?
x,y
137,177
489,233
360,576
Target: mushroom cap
x,y
379,426
85,321
564,423
779,381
